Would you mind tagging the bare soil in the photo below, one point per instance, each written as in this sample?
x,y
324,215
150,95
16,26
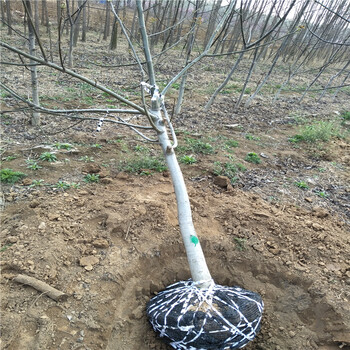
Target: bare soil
x,y
110,246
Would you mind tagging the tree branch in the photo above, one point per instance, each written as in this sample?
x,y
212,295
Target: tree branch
x,y
325,41
73,74
335,13
65,111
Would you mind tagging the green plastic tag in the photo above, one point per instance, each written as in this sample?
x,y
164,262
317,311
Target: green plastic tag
x,y
194,240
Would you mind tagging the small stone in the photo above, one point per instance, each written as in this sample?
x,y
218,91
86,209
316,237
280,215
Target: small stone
x,y
274,251
91,168
292,334
137,313
27,182
258,247
53,216
89,260
235,127
100,243
317,227
12,239
104,173
42,226
34,204
320,212
222,181
308,199
106,180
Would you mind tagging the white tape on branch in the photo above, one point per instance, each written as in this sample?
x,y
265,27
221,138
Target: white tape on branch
x,y
216,318
99,124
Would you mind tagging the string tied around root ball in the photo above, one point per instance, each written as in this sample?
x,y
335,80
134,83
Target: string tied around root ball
x,y
213,318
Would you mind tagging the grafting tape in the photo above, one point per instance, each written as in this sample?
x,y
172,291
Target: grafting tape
x,y
99,124
215,318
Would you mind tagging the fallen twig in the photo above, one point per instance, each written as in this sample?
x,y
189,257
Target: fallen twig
x,y
51,292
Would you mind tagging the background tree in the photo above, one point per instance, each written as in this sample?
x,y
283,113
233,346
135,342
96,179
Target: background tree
x,y
33,68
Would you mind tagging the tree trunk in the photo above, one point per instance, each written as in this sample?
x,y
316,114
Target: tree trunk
x,y
35,121
84,25
59,12
198,266
8,17
36,16
71,35
107,22
114,36
77,23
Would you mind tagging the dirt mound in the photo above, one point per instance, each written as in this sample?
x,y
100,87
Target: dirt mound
x,y
111,247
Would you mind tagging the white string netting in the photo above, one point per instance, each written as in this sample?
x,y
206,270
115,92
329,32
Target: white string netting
x,y
215,318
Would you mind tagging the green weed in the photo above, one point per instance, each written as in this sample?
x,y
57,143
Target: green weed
x,y
322,194
10,176
66,146
240,243
62,185
188,160
37,183
252,137
86,159
32,164
345,115
89,178
9,158
302,184
252,157
96,145
5,247
48,157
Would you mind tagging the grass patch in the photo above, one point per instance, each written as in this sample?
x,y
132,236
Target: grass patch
x,y
252,137
252,157
86,159
10,176
198,146
65,146
318,131
143,166
228,169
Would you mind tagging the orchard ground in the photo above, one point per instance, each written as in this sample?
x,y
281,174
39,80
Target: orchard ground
x,y
100,222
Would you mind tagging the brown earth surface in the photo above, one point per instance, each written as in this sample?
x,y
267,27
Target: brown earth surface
x,y
112,245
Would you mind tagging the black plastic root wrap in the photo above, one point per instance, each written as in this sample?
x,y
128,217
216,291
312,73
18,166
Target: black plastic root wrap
x,y
216,318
